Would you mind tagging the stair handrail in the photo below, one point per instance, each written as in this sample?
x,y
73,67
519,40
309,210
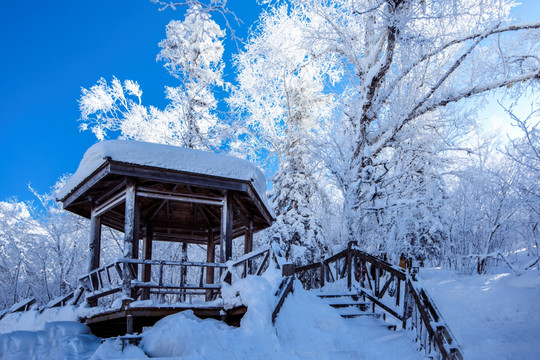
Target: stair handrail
x,y
439,333
285,288
412,300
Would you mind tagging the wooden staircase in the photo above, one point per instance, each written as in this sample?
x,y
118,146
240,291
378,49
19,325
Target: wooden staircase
x,y
348,304
374,287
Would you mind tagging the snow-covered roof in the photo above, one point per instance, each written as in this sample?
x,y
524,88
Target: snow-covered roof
x,y
166,157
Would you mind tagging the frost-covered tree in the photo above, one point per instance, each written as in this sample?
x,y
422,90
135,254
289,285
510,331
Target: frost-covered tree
x,y
280,100
192,53
42,253
524,152
402,62
44,249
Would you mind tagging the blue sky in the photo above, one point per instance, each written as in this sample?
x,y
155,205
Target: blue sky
x,y
50,49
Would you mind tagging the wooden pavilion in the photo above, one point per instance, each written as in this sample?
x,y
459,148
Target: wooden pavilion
x,y
151,193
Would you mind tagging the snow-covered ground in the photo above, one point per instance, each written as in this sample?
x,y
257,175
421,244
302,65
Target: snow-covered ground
x,y
493,317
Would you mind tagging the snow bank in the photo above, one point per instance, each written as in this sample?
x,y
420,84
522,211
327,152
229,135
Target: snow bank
x,y
33,320
60,340
167,157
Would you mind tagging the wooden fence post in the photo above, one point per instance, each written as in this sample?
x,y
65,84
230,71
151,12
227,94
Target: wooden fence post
x,y
349,266
405,305
288,270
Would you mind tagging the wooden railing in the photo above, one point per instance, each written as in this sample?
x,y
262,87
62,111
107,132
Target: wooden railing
x,y
390,288
177,279
432,333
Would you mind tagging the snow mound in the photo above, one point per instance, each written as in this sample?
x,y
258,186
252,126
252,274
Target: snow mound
x,y
62,340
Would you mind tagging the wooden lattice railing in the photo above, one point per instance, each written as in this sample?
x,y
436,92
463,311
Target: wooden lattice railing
x,y
164,277
390,288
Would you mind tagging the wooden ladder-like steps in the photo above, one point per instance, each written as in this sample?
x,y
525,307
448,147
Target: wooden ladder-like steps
x,y
349,305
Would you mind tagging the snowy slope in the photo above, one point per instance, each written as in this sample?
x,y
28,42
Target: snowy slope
x,y
492,316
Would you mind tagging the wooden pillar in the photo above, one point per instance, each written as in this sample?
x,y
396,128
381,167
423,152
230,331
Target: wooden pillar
x,y
147,255
226,227
248,244
211,258
131,235
136,236
95,249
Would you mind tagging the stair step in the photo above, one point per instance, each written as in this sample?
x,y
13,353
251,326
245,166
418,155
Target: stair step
x,y
362,306
335,294
352,316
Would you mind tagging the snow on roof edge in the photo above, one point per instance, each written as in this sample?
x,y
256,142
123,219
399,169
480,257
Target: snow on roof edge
x,y
167,157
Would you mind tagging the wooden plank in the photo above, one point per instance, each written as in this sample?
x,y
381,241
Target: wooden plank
x,y
22,305
121,186
171,263
110,203
385,287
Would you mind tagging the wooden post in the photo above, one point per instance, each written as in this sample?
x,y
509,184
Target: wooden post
x,y
136,235
226,226
131,234
248,245
147,255
349,267
211,258
375,279
183,272
405,305
95,247
129,324
95,240
288,270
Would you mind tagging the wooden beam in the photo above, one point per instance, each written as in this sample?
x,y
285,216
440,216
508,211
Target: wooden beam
x,y
120,186
260,205
90,181
180,198
176,177
110,203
